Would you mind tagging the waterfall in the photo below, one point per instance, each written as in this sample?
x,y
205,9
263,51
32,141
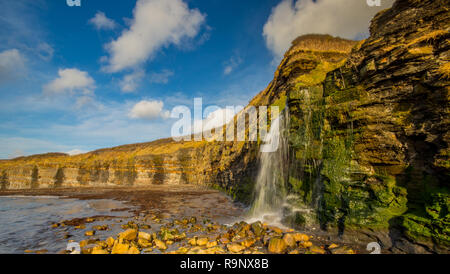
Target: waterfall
x,y
270,189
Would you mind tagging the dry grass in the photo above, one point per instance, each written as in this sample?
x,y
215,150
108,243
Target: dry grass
x,y
444,70
427,37
421,51
318,42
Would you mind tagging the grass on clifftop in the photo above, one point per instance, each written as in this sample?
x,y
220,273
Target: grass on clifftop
x,y
319,42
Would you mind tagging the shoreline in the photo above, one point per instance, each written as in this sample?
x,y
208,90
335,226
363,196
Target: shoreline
x,y
171,204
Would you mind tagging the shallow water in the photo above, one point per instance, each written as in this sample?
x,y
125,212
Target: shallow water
x,y
25,221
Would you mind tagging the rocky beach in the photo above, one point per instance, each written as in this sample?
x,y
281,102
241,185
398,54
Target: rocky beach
x,y
175,220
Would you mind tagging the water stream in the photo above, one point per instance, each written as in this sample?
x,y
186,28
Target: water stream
x,y
270,194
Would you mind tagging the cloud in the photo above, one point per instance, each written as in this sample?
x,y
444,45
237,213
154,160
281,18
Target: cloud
x,y
75,152
156,23
70,80
100,21
12,65
344,18
148,110
161,77
131,81
231,65
45,51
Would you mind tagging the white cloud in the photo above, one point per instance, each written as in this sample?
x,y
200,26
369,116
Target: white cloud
x,y
344,18
156,23
100,21
12,65
148,110
70,80
75,152
131,81
161,77
231,65
45,51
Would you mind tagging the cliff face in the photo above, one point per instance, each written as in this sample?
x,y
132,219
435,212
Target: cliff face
x,y
371,140
368,135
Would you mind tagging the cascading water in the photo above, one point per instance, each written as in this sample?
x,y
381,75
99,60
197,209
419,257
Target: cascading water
x,y
270,190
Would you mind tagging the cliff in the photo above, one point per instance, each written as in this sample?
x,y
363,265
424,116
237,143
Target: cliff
x,y
368,133
371,140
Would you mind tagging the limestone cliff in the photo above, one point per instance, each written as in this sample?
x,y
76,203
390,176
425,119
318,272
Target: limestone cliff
x,y
368,133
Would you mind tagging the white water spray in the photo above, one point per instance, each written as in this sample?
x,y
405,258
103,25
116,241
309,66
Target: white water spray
x,y
270,189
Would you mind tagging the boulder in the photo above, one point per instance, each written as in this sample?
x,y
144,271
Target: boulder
x,y
235,248
119,248
289,240
277,245
129,235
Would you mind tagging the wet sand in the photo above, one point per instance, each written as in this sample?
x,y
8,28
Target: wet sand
x,y
175,200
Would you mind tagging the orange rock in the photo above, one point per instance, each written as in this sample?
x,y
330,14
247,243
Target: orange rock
x,y
235,248
306,244
248,242
129,234
299,237
289,240
277,245
202,241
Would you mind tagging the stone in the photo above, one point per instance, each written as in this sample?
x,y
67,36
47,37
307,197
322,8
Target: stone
x,y
193,241
133,250
128,235
110,241
276,229
100,227
148,250
342,250
277,245
235,248
333,246
248,242
182,250
144,243
305,244
299,237
41,251
119,248
160,244
317,250
89,233
202,241
289,240
257,229
99,251
145,236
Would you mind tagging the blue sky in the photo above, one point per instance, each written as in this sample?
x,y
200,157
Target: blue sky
x,y
107,73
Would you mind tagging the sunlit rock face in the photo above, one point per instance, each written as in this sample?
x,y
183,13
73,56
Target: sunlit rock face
x,y
368,134
371,140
